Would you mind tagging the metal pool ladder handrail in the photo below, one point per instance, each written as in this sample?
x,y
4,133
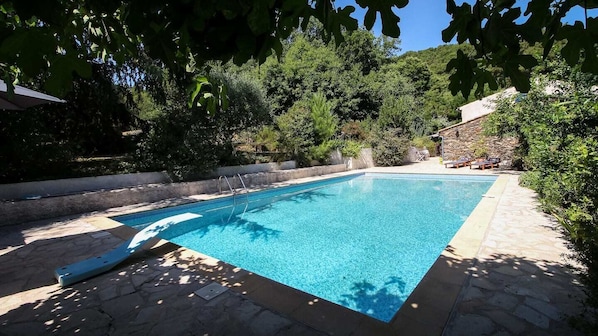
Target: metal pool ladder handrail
x,y
228,183
244,188
233,190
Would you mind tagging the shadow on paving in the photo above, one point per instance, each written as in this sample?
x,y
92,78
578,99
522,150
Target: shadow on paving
x,y
152,293
503,294
145,295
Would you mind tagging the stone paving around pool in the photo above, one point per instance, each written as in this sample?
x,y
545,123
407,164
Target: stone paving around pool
x,y
519,283
148,295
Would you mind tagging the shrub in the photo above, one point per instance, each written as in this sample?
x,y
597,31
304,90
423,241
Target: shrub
x,y
389,148
184,147
354,130
397,113
267,138
480,149
297,133
351,148
189,142
322,151
530,179
306,130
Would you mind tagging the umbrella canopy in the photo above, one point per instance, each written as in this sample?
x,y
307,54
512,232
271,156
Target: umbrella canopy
x,y
23,98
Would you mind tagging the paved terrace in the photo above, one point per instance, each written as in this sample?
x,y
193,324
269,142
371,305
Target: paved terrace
x,y
504,273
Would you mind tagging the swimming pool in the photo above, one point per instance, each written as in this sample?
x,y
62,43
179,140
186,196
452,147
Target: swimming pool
x,y
362,241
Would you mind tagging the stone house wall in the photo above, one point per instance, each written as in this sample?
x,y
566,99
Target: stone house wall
x,y
462,139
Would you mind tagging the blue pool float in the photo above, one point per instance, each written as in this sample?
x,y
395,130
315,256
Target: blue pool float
x,y
88,268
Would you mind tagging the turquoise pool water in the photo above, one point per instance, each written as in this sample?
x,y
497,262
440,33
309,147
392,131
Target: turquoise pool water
x,y
363,241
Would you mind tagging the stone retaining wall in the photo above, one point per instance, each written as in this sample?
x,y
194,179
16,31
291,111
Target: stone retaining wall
x,y
14,212
253,168
63,187
16,191
365,159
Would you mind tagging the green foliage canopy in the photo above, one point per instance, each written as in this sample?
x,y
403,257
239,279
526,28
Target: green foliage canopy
x,y
415,83
496,30
188,142
309,65
59,38
417,71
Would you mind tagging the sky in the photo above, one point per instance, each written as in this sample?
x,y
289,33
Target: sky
x,y
422,21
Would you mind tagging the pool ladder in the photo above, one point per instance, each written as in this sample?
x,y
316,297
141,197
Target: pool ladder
x,y
233,190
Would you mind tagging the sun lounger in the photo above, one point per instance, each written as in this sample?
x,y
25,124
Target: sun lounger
x,y
462,162
489,163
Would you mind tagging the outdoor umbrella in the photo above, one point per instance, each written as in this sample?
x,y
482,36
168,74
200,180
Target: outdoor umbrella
x,y
23,98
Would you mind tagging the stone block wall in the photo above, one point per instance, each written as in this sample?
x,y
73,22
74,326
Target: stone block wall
x,y
364,160
14,212
462,139
62,187
75,186
253,168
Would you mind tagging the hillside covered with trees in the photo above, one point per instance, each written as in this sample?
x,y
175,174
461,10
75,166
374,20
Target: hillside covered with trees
x,y
315,98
